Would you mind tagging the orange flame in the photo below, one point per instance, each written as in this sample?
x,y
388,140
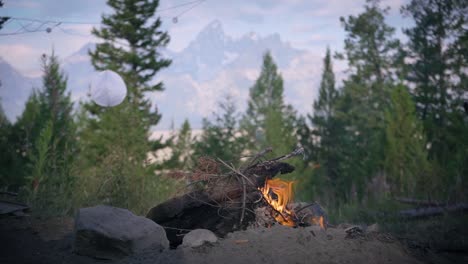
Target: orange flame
x,y
284,195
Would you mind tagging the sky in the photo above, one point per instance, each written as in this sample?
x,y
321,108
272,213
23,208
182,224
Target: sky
x,y
306,24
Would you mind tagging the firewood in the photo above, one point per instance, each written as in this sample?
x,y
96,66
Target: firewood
x,y
225,202
434,211
418,202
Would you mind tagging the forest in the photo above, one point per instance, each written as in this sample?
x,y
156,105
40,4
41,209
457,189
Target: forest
x,y
396,127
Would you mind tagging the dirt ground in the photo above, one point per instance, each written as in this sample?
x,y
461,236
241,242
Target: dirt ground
x,y
36,240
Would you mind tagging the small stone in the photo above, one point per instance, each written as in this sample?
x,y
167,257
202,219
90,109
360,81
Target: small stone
x,y
198,237
373,228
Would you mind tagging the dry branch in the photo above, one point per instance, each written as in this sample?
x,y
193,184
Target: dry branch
x,y
225,202
418,202
434,211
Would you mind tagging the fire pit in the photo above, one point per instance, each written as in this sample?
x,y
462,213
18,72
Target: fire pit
x,y
223,198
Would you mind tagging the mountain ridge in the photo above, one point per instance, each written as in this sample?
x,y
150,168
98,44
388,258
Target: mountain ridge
x,y
212,65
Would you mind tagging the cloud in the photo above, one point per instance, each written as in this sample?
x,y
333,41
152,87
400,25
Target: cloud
x,y
21,55
59,8
24,4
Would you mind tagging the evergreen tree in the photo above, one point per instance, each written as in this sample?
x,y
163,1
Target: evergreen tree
x,y
373,57
24,134
56,106
406,155
131,42
268,122
6,150
115,141
326,131
182,149
42,142
371,50
221,137
437,68
3,19
265,95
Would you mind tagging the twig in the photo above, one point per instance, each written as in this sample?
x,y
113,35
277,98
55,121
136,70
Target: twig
x,y
180,229
236,171
259,155
296,152
271,206
304,207
244,195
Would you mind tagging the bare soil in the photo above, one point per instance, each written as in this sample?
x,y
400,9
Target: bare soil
x,y
35,240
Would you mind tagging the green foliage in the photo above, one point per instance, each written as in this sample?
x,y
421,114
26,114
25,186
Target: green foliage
x,y
130,47
40,158
326,133
406,155
43,142
114,167
438,51
221,137
370,49
182,149
266,94
268,122
7,151
373,56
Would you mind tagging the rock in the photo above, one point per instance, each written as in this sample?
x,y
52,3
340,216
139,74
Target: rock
x,y
7,207
107,232
198,237
373,228
354,232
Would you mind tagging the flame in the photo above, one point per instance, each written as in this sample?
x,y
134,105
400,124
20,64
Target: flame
x,y
284,195
319,221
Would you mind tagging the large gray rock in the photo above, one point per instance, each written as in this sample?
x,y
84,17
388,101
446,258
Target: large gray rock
x,y
109,233
198,237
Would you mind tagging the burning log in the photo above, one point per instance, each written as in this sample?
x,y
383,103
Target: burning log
x,y
226,201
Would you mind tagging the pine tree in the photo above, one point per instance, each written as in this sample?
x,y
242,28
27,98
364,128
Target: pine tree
x,y
324,116
3,19
118,137
24,133
373,56
327,133
437,68
406,155
371,50
265,95
221,137
182,149
268,121
6,149
56,106
47,121
132,39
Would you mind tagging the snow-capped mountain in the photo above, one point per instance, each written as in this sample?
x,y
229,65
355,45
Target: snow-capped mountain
x,y
14,89
210,67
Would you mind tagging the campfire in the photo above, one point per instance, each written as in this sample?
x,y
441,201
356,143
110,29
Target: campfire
x,y
278,193
223,198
